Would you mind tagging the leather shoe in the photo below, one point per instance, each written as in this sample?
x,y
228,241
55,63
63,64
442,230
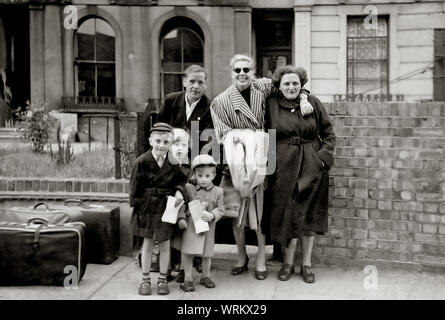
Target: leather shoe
x,y
286,271
238,270
207,282
181,276
260,275
187,286
163,287
145,288
308,275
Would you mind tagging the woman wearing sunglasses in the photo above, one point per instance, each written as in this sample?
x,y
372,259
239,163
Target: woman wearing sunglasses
x,y
242,106
296,201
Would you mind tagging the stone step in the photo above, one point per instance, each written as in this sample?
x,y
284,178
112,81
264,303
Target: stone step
x,y
8,130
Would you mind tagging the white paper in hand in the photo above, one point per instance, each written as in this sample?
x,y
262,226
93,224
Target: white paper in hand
x,y
196,212
171,212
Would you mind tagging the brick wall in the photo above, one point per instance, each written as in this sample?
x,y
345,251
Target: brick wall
x,y
387,195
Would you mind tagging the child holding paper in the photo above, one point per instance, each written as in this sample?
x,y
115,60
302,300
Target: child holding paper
x,y
196,241
153,179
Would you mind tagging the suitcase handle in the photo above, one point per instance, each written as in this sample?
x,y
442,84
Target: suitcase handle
x,y
41,204
79,202
39,220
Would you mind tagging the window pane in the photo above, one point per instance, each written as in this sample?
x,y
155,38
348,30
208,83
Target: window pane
x,y
357,28
368,48
172,83
171,52
362,87
106,84
105,41
86,79
193,51
85,40
368,70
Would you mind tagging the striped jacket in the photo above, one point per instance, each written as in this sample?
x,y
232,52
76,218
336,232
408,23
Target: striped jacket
x,y
230,111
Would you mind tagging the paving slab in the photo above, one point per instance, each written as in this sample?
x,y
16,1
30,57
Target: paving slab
x,y
120,281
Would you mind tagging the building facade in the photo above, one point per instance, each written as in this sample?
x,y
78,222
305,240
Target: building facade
x,y
102,55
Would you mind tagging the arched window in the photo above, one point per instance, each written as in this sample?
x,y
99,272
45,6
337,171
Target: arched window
x,y
95,59
181,45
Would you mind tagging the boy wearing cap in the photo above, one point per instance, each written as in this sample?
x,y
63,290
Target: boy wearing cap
x,y
212,201
154,178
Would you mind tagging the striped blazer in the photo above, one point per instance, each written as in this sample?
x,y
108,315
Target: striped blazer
x,y
230,111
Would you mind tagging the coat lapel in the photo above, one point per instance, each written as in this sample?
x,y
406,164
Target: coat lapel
x,y
199,111
166,167
182,113
240,104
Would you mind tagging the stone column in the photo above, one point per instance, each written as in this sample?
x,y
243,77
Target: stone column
x,y
53,56
36,45
243,30
302,38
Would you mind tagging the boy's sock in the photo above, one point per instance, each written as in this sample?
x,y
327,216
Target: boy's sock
x,y
146,276
162,277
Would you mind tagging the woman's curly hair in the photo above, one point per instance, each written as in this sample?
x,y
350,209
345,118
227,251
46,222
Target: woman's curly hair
x,y
281,71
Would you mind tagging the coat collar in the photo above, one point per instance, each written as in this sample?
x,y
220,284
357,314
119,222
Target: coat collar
x,y
240,104
209,187
288,104
200,109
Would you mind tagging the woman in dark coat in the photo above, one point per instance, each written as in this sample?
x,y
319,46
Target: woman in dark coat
x,y
297,194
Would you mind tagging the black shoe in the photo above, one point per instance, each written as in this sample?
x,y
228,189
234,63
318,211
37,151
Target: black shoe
x,y
238,270
286,271
187,286
181,276
308,275
207,282
260,275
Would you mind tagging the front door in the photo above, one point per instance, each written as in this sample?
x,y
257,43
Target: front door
x,y
273,38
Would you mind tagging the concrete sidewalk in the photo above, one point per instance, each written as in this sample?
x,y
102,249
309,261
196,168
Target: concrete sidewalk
x,y
121,279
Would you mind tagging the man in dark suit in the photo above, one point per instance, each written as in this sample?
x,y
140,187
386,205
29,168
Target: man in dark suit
x,y
190,110
181,108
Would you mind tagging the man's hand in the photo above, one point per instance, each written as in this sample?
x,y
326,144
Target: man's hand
x,y
207,216
305,107
182,224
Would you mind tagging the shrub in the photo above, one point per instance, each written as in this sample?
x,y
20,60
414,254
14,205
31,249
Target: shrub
x,y
36,124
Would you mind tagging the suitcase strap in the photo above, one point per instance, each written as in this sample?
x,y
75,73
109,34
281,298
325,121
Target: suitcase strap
x,y
36,242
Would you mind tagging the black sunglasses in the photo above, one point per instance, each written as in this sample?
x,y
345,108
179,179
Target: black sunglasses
x,y
238,70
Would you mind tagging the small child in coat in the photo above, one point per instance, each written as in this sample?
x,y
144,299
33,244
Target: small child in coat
x,y
212,201
153,179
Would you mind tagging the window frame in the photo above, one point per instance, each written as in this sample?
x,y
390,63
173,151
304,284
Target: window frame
x,y
161,51
383,83
95,62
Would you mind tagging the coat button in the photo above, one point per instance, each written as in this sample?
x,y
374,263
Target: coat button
x,y
199,118
293,110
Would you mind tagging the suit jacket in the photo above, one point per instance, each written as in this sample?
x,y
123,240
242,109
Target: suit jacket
x,y
173,112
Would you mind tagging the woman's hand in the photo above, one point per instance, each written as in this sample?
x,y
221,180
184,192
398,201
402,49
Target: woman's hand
x,y
305,107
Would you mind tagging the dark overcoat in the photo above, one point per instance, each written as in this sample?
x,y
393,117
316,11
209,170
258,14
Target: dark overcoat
x,y
149,188
296,201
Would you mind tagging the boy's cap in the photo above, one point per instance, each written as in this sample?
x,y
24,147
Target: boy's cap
x,y
203,160
161,127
